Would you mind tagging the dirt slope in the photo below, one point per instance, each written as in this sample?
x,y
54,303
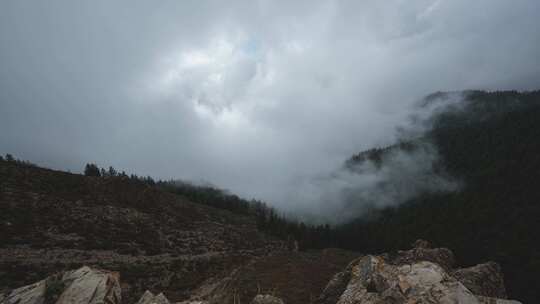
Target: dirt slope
x,y
52,221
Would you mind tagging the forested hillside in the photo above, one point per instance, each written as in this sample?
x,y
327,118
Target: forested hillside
x,y
491,143
171,237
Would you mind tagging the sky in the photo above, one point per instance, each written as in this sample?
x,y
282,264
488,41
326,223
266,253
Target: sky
x,y
258,97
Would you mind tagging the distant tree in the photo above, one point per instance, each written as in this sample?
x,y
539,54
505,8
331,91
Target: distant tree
x,y
91,170
104,172
149,180
112,171
9,158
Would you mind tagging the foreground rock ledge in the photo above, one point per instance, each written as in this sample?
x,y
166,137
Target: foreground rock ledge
x,y
266,299
420,275
82,286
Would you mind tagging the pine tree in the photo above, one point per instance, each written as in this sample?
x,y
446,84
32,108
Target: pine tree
x,y
112,171
91,170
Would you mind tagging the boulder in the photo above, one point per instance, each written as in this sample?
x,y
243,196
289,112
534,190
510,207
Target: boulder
x,y
487,300
90,286
82,286
483,279
414,277
375,281
420,275
422,251
30,294
334,288
150,298
266,299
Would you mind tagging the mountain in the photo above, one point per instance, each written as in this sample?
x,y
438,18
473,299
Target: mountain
x,y
193,242
53,221
489,141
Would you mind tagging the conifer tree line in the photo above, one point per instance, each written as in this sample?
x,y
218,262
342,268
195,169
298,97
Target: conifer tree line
x,y
268,218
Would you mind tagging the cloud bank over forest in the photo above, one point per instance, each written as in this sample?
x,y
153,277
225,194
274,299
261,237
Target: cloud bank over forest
x,y
258,97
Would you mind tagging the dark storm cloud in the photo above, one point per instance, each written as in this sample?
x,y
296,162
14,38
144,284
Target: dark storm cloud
x,y
254,96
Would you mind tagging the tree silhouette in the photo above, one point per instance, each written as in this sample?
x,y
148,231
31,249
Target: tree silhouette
x,y
91,170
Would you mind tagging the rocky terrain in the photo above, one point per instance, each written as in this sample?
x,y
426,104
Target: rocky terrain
x,y
67,238
53,221
419,275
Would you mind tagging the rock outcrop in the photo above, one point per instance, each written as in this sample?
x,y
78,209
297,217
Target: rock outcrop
x,y
30,294
266,299
419,275
150,298
422,251
483,279
82,286
337,285
407,277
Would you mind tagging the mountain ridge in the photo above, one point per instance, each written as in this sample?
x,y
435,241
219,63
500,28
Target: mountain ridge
x,y
52,220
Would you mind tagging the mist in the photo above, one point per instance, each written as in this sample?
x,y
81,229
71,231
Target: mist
x,y
265,99
382,177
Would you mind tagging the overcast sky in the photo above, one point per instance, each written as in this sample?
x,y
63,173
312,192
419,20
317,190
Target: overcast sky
x,y
253,96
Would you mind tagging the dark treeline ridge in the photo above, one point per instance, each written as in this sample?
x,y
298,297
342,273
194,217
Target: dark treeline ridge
x,y
492,144
268,219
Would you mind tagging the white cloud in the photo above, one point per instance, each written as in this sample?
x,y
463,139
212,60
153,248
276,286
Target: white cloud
x,y
255,96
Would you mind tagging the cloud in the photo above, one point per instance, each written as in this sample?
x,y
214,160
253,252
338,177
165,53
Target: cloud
x,y
254,96
382,177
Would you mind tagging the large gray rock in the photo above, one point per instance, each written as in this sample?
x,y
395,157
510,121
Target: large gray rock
x,y
483,279
30,294
90,286
375,281
266,299
82,286
334,288
487,300
407,279
422,251
150,298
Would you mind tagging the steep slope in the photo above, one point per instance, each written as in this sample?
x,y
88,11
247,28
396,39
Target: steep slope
x,y
51,221
490,142
296,277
